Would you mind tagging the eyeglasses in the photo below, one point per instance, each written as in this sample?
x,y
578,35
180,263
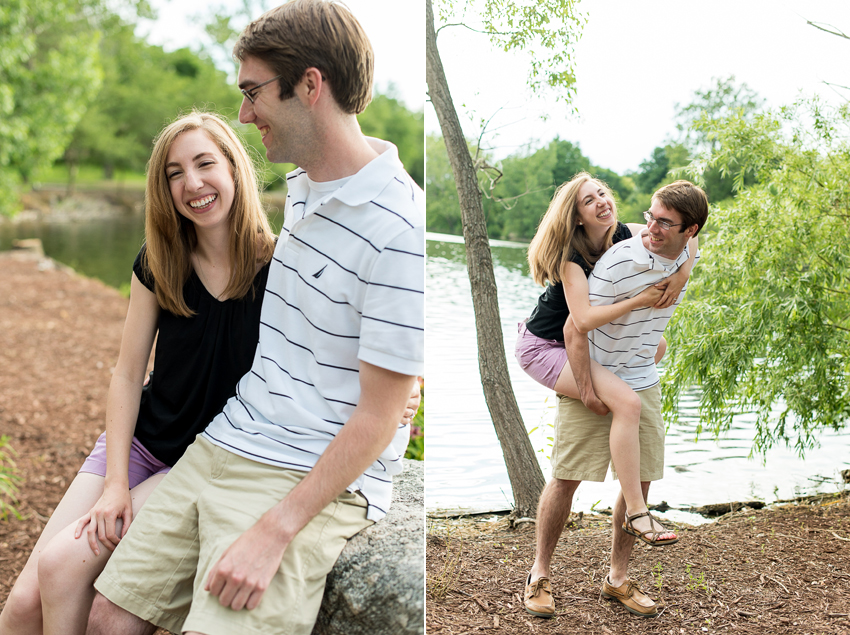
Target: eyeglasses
x,y
249,94
662,223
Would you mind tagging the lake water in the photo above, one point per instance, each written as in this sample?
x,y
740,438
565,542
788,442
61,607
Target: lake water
x,y
102,248
465,467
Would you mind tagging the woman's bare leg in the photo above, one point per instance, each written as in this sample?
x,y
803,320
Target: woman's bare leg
x,y
22,612
68,568
624,442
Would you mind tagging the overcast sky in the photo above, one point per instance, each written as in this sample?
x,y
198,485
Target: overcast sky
x,y
396,29
637,59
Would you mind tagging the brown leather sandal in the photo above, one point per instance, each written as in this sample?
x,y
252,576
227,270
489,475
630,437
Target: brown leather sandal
x,y
654,541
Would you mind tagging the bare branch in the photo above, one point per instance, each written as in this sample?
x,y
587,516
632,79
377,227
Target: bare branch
x,y
466,26
823,28
484,130
837,85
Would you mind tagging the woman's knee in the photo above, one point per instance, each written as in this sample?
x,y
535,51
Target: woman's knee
x,y
62,566
23,606
662,348
627,407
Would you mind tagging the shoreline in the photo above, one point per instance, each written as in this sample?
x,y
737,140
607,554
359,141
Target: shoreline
x,y
711,512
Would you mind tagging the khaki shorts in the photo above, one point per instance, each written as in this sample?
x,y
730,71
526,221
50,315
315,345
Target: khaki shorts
x,y
581,451
160,569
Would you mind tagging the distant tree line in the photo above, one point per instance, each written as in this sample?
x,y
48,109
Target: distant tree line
x,y
78,86
517,190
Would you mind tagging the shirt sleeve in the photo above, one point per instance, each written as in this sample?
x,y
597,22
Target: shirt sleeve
x,y
141,270
392,331
601,287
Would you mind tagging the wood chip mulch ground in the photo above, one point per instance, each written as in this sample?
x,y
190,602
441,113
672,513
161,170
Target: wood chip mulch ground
x,y
59,339
783,569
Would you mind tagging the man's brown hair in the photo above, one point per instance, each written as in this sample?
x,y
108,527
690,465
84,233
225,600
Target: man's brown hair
x,y
313,33
686,198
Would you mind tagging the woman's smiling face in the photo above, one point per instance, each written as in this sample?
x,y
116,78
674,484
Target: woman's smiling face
x,y
200,179
595,206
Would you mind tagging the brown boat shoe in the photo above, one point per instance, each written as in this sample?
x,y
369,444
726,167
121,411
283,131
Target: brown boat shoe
x,y
538,597
630,596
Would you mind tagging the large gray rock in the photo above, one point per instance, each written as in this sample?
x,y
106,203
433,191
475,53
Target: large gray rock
x,y
377,586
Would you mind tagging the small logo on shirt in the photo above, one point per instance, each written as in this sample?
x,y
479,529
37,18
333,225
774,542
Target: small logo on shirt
x,y
319,273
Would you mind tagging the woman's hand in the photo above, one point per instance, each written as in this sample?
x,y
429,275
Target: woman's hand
x,y
412,404
651,295
675,284
100,522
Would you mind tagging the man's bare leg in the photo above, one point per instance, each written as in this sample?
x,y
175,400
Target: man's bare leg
x,y
108,619
621,542
552,513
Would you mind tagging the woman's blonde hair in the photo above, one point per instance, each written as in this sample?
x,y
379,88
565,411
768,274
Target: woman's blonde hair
x,y
559,233
171,238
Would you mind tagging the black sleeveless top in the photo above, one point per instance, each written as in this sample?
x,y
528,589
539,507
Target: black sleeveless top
x,y
197,364
551,313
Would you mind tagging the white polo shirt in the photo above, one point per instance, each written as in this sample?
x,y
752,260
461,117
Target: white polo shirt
x,y
346,284
627,346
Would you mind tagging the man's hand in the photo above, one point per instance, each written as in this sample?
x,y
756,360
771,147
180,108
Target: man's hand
x,y
593,403
246,568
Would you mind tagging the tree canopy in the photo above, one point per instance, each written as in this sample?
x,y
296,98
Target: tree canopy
x,y
766,328
49,73
77,85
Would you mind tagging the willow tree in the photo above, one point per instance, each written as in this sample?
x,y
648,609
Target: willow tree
x,y
766,328
545,29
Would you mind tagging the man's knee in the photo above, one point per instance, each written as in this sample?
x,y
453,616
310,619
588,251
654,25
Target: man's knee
x,y
107,618
564,488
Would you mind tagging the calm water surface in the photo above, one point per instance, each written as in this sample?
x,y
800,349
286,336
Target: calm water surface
x,y
102,248
465,467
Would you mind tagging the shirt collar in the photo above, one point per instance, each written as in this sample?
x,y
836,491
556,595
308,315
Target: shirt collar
x,y
643,256
368,182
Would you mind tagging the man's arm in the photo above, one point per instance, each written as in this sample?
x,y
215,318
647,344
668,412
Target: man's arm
x,y
578,354
246,568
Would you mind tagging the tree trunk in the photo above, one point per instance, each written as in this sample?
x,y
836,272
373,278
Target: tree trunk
x,y
523,470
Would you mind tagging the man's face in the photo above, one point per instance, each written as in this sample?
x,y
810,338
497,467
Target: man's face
x,y
667,243
281,123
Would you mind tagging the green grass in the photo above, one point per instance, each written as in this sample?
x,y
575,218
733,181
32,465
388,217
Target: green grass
x,y
90,175
9,480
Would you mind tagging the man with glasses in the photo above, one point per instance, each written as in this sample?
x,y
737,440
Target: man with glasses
x,y
626,347
256,513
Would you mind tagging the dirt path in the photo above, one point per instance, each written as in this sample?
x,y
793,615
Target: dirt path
x,y
779,570
59,339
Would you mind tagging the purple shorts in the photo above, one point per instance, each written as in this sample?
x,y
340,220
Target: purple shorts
x,y
542,359
142,463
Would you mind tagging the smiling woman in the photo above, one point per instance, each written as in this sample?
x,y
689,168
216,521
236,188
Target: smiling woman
x,y
205,343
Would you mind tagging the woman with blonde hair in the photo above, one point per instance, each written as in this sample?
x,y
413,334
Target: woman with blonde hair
x,y
197,289
579,226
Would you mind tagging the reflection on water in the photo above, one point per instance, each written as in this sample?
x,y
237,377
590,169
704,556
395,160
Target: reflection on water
x,y
102,248
465,464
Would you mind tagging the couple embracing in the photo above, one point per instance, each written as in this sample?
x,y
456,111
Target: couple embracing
x,y
595,338
284,374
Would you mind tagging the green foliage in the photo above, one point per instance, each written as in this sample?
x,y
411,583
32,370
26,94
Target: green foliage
x,y
442,209
723,100
387,118
144,89
766,329
49,73
9,480
545,29
517,190
416,446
